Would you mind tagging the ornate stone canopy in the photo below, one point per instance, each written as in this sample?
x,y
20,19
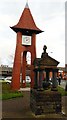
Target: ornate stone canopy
x,y
45,61
42,68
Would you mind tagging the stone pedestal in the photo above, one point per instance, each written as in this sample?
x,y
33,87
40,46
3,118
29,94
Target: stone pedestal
x,y
43,102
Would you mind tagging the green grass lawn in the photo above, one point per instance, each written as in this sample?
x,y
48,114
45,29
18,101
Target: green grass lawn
x,y
7,93
10,95
62,91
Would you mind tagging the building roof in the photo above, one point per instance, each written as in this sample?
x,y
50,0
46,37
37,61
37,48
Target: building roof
x,y
26,23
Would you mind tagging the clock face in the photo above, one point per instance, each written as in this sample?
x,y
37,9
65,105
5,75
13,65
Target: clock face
x,y
26,40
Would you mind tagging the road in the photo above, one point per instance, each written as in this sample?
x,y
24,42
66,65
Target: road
x,y
63,84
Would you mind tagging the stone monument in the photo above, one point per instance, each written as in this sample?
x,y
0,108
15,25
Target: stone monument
x,y
44,97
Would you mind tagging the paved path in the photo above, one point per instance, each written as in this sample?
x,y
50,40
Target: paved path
x,y
17,108
20,108
63,84
24,89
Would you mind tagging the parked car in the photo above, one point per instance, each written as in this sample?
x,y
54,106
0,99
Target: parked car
x,y
28,79
2,78
8,79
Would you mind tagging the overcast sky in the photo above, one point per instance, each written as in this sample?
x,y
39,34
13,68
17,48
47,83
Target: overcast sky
x,y
49,16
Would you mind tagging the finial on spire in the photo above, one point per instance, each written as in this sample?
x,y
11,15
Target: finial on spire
x,y
27,4
44,48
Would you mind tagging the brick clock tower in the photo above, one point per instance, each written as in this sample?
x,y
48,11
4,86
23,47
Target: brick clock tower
x,y
26,31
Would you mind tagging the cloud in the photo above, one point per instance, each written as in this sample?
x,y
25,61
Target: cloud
x,y
48,15
54,36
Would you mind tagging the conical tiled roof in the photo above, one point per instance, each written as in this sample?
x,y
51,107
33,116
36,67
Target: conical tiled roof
x,y
26,23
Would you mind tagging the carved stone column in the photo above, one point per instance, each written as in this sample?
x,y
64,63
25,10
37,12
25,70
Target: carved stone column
x,y
40,79
47,75
54,80
35,79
